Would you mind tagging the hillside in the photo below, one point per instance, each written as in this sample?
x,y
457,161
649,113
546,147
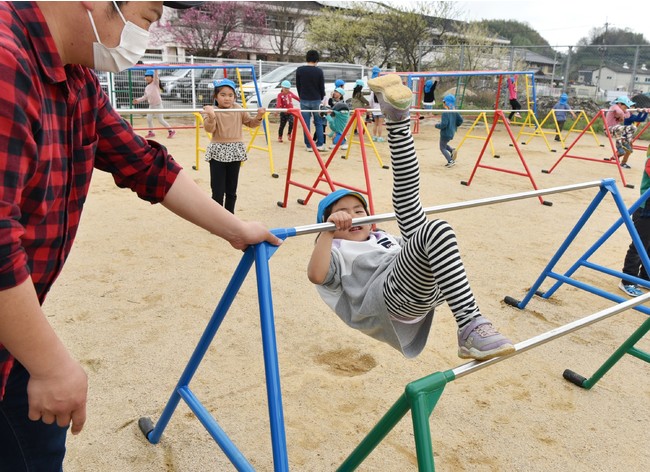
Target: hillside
x,y
519,34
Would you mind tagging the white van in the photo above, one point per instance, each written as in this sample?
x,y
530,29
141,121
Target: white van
x,y
269,84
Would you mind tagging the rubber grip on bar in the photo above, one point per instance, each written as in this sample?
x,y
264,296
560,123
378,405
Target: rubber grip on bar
x,y
511,301
574,378
545,171
540,293
463,182
146,426
301,201
547,203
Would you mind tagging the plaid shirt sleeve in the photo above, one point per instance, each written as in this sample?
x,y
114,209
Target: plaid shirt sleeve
x,y
56,125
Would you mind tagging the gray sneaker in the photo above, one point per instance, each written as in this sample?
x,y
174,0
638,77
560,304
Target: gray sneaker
x,y
480,341
394,97
451,163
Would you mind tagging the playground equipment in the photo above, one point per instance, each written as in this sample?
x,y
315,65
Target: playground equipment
x,y
551,115
500,115
238,78
638,135
416,80
420,396
357,120
611,159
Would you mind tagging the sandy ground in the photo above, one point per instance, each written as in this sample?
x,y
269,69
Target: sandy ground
x,y
141,284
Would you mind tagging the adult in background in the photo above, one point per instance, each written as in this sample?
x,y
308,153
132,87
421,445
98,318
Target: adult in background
x,y
310,83
56,126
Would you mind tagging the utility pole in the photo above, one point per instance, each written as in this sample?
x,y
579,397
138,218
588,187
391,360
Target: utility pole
x,y
602,49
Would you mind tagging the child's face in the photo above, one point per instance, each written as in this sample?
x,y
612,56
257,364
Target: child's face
x,y
353,207
225,97
337,96
285,90
148,78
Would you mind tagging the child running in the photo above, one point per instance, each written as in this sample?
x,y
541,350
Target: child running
x,y
152,95
226,150
448,124
387,286
285,101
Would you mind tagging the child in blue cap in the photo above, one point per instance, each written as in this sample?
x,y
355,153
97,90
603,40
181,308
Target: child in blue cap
x,y
623,134
388,286
152,96
561,107
226,150
337,120
448,124
429,95
284,100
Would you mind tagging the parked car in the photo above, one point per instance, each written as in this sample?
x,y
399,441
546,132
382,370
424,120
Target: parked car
x,y
269,84
201,79
169,82
203,84
127,85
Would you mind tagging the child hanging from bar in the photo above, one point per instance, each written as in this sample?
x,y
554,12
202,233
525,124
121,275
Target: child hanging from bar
x,y
388,286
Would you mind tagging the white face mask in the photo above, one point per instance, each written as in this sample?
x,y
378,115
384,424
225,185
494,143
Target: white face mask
x,y
133,44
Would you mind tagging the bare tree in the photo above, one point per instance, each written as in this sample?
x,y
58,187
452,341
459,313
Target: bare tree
x,y
408,32
286,23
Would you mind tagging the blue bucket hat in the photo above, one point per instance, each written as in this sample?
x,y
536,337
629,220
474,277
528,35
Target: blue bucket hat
x,y
340,90
148,73
285,84
360,82
334,197
564,98
449,100
375,72
224,83
428,85
623,100
339,83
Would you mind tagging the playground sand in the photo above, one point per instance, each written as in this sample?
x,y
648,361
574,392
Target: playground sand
x,y
141,284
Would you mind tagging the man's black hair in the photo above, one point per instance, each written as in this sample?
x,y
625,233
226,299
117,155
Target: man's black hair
x,y
312,56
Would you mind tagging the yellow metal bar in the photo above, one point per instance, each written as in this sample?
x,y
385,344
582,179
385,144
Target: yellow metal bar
x,y
583,115
197,136
531,122
481,117
369,140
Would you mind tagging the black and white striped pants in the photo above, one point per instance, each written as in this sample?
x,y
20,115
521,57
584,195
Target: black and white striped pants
x,y
428,269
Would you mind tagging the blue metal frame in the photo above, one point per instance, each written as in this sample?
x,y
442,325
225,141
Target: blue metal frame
x,y
608,186
261,253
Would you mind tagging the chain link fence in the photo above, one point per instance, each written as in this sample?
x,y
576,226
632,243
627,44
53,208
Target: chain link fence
x,y
600,73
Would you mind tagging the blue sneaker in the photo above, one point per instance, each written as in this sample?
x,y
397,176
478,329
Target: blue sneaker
x,y
480,341
630,290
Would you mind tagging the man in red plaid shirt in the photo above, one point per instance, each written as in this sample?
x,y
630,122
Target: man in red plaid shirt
x,y
56,125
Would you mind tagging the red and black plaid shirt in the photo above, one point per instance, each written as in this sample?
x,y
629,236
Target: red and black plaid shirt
x,y
56,124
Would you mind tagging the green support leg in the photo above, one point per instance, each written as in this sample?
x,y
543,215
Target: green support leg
x,y
420,397
376,435
626,348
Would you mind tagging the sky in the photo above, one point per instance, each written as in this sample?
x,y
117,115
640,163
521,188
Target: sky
x,y
561,23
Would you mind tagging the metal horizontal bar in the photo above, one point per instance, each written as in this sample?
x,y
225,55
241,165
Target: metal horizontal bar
x,y
556,333
142,111
320,227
